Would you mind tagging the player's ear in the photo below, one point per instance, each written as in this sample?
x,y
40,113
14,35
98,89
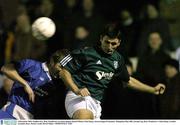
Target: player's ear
x,y
119,42
51,62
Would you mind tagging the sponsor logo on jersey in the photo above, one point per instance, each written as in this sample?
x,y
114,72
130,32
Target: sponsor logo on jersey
x,y
101,74
99,62
115,64
40,92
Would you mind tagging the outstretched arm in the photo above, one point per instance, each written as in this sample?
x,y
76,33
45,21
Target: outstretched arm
x,y
137,85
10,71
67,79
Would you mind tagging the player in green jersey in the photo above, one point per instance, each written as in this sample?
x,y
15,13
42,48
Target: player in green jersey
x,y
92,69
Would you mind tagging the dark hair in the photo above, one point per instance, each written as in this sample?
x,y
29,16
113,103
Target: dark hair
x,y
59,55
112,31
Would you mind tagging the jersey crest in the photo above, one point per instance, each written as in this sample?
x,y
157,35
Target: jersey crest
x,y
115,64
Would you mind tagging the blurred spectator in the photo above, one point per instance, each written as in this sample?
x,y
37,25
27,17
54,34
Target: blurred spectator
x,y
3,94
170,100
170,11
20,43
121,102
38,8
178,56
89,17
67,15
32,6
153,22
46,8
1,80
3,37
3,97
22,35
67,10
9,8
150,70
129,29
151,62
81,35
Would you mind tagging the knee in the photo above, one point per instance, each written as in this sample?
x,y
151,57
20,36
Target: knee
x,y
83,114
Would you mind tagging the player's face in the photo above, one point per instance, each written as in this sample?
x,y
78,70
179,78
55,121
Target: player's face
x,y
109,45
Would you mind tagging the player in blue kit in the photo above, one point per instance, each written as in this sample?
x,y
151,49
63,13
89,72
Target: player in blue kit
x,y
28,76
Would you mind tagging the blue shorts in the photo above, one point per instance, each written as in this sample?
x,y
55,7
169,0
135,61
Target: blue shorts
x,y
5,115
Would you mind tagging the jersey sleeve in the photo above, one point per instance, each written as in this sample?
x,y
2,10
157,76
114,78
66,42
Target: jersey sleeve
x,y
122,72
74,61
23,65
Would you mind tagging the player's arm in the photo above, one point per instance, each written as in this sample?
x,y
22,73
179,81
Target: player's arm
x,y
10,71
71,65
137,85
7,85
67,79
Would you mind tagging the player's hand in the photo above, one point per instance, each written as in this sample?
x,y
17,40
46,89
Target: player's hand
x,y
30,93
83,92
159,89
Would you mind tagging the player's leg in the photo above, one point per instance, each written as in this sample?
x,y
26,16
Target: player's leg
x,y
5,115
83,114
78,107
16,111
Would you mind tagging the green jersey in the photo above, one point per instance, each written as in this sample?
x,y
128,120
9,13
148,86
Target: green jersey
x,y
94,69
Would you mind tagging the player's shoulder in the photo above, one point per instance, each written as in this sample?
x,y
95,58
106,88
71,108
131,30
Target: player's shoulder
x,y
118,56
29,62
89,50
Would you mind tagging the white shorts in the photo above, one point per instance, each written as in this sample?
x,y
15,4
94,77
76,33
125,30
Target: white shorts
x,y
75,102
17,112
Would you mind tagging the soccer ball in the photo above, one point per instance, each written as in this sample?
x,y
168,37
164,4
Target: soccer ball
x,y
43,28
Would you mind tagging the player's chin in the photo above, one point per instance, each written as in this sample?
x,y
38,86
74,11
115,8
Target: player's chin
x,y
110,52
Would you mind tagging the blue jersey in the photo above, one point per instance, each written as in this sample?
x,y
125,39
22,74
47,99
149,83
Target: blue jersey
x,y
36,74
